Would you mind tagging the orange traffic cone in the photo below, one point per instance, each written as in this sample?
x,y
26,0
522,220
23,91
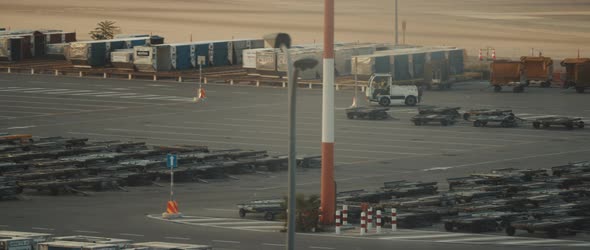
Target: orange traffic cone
x,y
494,54
171,210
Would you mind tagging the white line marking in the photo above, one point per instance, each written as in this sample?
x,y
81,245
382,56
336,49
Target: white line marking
x,y
7,117
504,160
43,228
202,220
524,242
162,97
126,234
226,241
26,107
180,127
314,247
20,89
273,245
23,127
487,238
259,227
177,238
73,99
579,244
43,90
96,93
68,92
220,209
69,104
37,82
85,231
238,222
427,236
116,95
139,96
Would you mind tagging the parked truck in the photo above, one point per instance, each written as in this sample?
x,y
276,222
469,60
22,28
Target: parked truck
x,y
382,90
507,73
538,69
577,73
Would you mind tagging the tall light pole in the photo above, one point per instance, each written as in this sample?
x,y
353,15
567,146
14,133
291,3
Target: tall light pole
x,y
328,186
396,38
283,41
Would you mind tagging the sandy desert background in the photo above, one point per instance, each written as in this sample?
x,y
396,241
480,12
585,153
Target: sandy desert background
x,y
513,27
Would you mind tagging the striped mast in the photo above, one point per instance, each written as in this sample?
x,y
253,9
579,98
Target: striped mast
x,y
328,186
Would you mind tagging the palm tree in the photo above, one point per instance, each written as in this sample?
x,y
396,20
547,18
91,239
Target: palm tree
x,y
106,30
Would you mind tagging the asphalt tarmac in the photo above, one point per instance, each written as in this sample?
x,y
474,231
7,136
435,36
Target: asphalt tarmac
x,y
367,152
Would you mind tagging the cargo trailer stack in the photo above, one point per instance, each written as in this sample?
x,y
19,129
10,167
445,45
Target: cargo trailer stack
x,y
122,58
152,58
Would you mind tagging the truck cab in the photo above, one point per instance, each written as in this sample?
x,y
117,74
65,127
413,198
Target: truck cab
x,y
382,90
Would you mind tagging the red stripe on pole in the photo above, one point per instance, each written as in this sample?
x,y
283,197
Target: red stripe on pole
x,y
328,192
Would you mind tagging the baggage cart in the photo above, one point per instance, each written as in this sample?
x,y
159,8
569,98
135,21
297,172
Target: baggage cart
x,y
270,208
567,122
367,113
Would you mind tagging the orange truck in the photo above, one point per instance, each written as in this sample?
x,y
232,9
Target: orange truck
x,y
507,73
538,69
577,73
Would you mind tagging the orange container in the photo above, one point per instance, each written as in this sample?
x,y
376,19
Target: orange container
x,y
504,72
538,68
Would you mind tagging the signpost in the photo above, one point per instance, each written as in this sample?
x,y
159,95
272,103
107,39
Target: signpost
x,y
171,163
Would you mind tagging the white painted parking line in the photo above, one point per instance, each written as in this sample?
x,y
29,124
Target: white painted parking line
x,y
177,238
425,236
68,92
69,104
273,245
22,127
139,96
161,97
43,228
220,209
181,127
116,95
202,220
6,117
579,245
314,247
239,222
19,89
23,112
226,241
487,238
86,231
27,107
42,91
526,242
96,93
36,82
128,234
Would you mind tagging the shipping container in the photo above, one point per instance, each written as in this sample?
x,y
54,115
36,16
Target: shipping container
x,y
218,53
152,58
235,49
180,56
56,50
297,54
16,243
11,48
582,77
91,53
171,246
537,68
200,55
249,57
59,37
266,61
121,243
122,58
504,72
72,245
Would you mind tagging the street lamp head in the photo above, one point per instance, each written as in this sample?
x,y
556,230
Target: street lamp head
x,y
277,40
305,63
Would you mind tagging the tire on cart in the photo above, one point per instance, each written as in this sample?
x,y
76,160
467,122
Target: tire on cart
x,y
242,213
497,88
536,125
569,125
510,231
449,226
444,122
552,233
350,116
417,122
384,101
477,123
466,116
580,90
411,101
580,124
269,216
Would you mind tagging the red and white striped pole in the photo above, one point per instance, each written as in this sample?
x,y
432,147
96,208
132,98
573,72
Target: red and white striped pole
x,y
338,222
328,186
393,219
480,55
369,219
363,223
494,54
378,221
344,215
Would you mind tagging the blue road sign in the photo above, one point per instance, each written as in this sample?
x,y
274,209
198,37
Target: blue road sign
x,y
171,161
